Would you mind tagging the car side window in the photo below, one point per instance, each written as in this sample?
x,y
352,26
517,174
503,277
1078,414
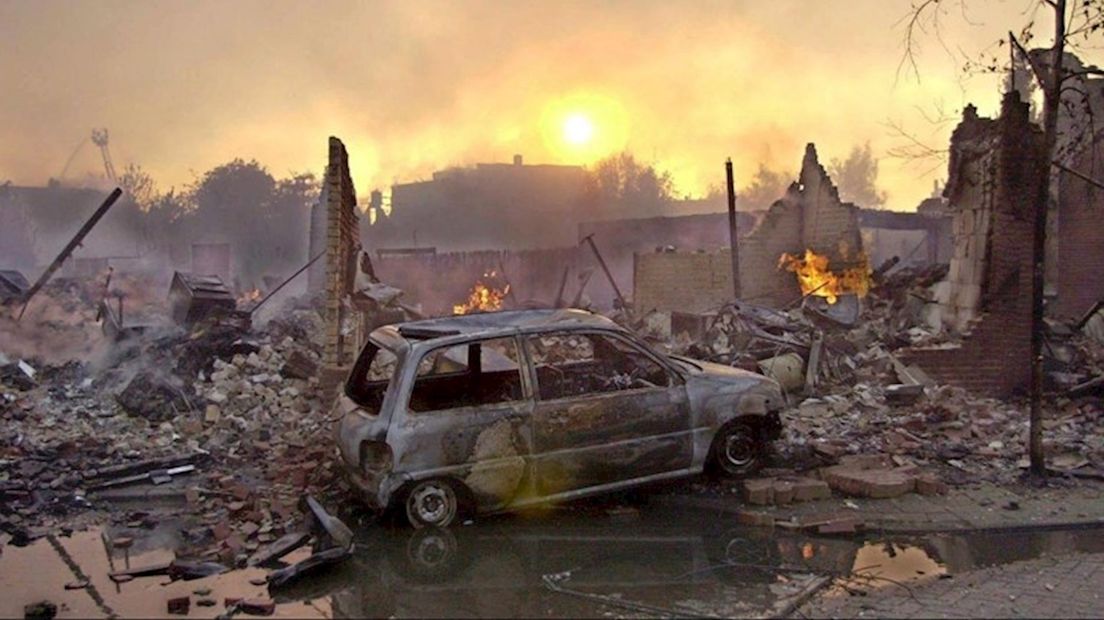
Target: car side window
x,y
471,374
577,364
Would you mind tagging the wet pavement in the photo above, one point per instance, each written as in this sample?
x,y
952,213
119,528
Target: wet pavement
x,y
589,560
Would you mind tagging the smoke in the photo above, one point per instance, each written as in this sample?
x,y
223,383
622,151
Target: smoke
x,y
414,87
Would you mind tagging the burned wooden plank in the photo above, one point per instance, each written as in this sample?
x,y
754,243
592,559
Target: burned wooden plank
x,y
138,467
338,531
279,548
316,563
148,570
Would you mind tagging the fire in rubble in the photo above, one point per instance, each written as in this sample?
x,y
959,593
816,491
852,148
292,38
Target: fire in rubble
x,y
815,276
249,297
483,297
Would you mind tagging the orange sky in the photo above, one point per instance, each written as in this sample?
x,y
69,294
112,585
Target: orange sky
x,y
412,87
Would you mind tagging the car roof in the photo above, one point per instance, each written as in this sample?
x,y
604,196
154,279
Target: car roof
x,y
489,323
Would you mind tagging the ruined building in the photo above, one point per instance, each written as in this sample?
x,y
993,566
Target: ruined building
x,y
810,216
506,206
994,171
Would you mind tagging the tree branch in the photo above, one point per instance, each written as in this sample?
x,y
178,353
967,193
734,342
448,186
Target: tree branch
x,y
1084,177
908,57
1036,69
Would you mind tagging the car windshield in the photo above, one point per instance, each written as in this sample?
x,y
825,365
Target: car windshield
x,y
371,375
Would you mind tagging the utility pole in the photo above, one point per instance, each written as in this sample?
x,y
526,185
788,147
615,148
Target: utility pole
x,y
733,233
68,249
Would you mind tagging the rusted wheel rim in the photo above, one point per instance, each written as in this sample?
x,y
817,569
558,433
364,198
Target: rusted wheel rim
x,y
739,449
431,503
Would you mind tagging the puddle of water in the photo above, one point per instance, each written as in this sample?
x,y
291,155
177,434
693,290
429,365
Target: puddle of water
x,y
553,564
912,561
38,572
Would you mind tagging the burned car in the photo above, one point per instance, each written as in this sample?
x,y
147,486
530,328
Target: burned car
x,y
496,411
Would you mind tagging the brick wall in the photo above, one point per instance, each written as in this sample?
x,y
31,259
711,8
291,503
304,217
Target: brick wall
x,y
826,222
994,356
686,281
1080,259
761,281
810,215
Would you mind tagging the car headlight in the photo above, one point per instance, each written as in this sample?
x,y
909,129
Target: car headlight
x,y
762,398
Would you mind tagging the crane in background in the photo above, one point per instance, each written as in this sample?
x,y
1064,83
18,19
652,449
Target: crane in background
x,y
99,138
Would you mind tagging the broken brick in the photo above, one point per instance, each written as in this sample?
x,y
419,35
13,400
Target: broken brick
x,y
929,484
759,491
180,605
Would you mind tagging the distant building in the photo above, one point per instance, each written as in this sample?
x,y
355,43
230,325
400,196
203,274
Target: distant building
x,y
510,206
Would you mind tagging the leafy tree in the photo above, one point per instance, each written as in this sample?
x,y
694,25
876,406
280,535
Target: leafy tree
x,y
857,178
621,183
263,219
138,186
764,189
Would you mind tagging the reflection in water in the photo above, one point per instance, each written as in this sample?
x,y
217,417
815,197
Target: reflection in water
x,y
562,563
578,565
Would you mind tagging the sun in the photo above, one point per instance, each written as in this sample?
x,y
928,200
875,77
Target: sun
x,y
577,129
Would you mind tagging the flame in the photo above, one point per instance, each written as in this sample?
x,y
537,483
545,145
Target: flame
x,y
249,296
483,298
815,277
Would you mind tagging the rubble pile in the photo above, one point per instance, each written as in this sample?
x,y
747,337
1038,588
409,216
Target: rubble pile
x,y
849,394
241,409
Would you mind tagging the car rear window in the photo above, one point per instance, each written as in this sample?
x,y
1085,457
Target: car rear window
x,y
371,375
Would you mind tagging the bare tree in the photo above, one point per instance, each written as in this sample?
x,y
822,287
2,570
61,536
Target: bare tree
x,y
1074,25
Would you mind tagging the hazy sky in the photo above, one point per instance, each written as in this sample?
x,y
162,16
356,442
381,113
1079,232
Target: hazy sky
x,y
414,86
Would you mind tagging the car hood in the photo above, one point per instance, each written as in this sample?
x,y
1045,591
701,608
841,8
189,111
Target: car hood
x,y
716,388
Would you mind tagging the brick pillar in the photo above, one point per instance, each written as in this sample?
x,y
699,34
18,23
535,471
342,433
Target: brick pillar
x,y
342,237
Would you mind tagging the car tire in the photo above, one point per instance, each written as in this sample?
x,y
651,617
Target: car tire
x,y
431,503
737,450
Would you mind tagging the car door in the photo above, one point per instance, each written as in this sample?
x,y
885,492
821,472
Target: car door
x,y
606,412
467,417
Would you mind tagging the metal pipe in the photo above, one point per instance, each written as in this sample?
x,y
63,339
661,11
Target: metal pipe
x,y
284,283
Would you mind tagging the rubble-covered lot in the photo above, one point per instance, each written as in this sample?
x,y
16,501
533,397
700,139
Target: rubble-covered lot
x,y
229,420
222,431
851,391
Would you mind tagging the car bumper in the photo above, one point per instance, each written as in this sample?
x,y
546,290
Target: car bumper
x,y
369,488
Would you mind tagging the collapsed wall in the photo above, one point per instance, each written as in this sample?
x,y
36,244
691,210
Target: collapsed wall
x,y
810,216
994,171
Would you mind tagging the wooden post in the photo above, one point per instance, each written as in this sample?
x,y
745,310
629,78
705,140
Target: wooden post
x,y
733,233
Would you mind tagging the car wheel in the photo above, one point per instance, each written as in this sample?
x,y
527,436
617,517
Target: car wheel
x,y
737,450
431,503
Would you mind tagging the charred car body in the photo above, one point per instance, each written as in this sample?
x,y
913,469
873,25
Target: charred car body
x,y
496,411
